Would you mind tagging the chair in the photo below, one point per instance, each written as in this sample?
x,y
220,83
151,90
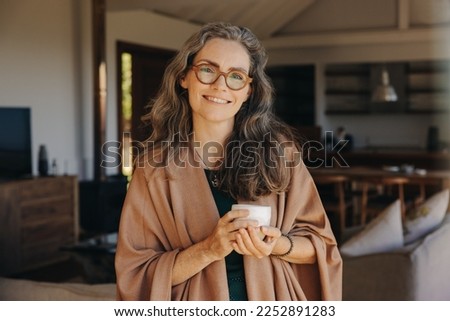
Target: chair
x,y
389,189
333,191
418,189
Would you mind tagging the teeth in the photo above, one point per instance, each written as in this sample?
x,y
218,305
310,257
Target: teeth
x,y
217,100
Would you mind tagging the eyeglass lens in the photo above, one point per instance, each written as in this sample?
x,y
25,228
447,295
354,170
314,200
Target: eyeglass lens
x,y
209,74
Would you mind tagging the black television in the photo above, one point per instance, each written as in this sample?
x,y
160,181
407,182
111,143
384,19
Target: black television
x,y
15,142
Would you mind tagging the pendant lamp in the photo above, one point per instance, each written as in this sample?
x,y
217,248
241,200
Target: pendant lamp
x,y
384,91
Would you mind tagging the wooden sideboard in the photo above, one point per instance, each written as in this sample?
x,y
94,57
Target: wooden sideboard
x,y
37,217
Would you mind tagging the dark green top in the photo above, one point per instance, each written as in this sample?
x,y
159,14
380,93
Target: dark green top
x,y
234,261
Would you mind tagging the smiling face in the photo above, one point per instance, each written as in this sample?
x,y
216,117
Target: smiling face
x,y
216,104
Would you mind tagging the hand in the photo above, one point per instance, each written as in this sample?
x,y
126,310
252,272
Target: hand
x,y
219,243
249,241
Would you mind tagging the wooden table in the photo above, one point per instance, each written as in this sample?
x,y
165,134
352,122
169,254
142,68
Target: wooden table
x,y
439,179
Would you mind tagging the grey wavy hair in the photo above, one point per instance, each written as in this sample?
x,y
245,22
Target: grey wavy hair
x,y
257,131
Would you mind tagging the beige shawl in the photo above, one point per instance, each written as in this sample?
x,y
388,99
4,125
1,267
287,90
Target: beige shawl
x,y
163,214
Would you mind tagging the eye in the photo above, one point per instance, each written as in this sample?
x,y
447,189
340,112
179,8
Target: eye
x,y
207,69
237,75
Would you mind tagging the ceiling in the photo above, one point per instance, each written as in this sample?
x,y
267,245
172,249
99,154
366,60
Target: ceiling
x,y
300,23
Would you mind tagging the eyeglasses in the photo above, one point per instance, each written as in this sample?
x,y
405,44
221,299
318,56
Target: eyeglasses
x,y
208,74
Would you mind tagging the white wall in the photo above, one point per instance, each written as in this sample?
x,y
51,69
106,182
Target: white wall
x,y
39,68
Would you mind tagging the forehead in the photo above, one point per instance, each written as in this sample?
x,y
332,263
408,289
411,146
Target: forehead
x,y
226,53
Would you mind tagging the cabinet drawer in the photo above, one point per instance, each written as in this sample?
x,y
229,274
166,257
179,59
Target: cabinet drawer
x,y
42,241
45,187
43,231
44,221
45,212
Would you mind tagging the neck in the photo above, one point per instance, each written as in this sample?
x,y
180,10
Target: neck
x,y
211,138
207,131
210,147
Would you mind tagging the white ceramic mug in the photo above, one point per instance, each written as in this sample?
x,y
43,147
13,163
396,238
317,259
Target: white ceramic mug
x,y
259,213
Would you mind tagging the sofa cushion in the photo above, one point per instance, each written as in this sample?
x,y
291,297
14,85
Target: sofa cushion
x,y
384,233
426,217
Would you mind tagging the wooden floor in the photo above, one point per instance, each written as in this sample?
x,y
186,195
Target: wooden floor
x,y
64,271
83,265
86,263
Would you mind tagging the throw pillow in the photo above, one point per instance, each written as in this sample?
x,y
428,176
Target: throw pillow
x,y
426,217
383,234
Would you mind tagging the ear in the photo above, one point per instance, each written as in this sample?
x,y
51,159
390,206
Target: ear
x,y
249,92
183,82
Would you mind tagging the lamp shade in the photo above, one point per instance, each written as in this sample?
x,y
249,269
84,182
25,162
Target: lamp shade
x,y
384,91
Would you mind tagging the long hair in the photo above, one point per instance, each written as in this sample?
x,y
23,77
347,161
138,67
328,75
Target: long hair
x,y
254,163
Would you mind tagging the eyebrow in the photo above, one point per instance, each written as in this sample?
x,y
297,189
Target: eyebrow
x,y
217,65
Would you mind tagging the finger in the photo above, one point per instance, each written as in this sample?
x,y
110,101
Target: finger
x,y
257,237
241,248
271,231
263,245
243,223
251,238
234,214
236,225
227,222
236,248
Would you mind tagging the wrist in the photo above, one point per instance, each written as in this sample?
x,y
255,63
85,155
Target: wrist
x,y
207,251
287,249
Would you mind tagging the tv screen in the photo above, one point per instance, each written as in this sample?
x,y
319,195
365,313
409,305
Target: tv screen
x,y
15,142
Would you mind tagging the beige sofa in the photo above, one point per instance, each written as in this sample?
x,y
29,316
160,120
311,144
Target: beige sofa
x,y
26,290
418,271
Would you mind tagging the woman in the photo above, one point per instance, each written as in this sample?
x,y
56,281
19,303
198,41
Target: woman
x,y
216,142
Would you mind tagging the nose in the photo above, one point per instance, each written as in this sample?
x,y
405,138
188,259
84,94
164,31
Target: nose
x,y
220,82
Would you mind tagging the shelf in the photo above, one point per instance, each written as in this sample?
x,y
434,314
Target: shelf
x,y
362,70
347,112
365,93
347,102
428,86
429,102
429,66
421,86
347,84
423,82
347,88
